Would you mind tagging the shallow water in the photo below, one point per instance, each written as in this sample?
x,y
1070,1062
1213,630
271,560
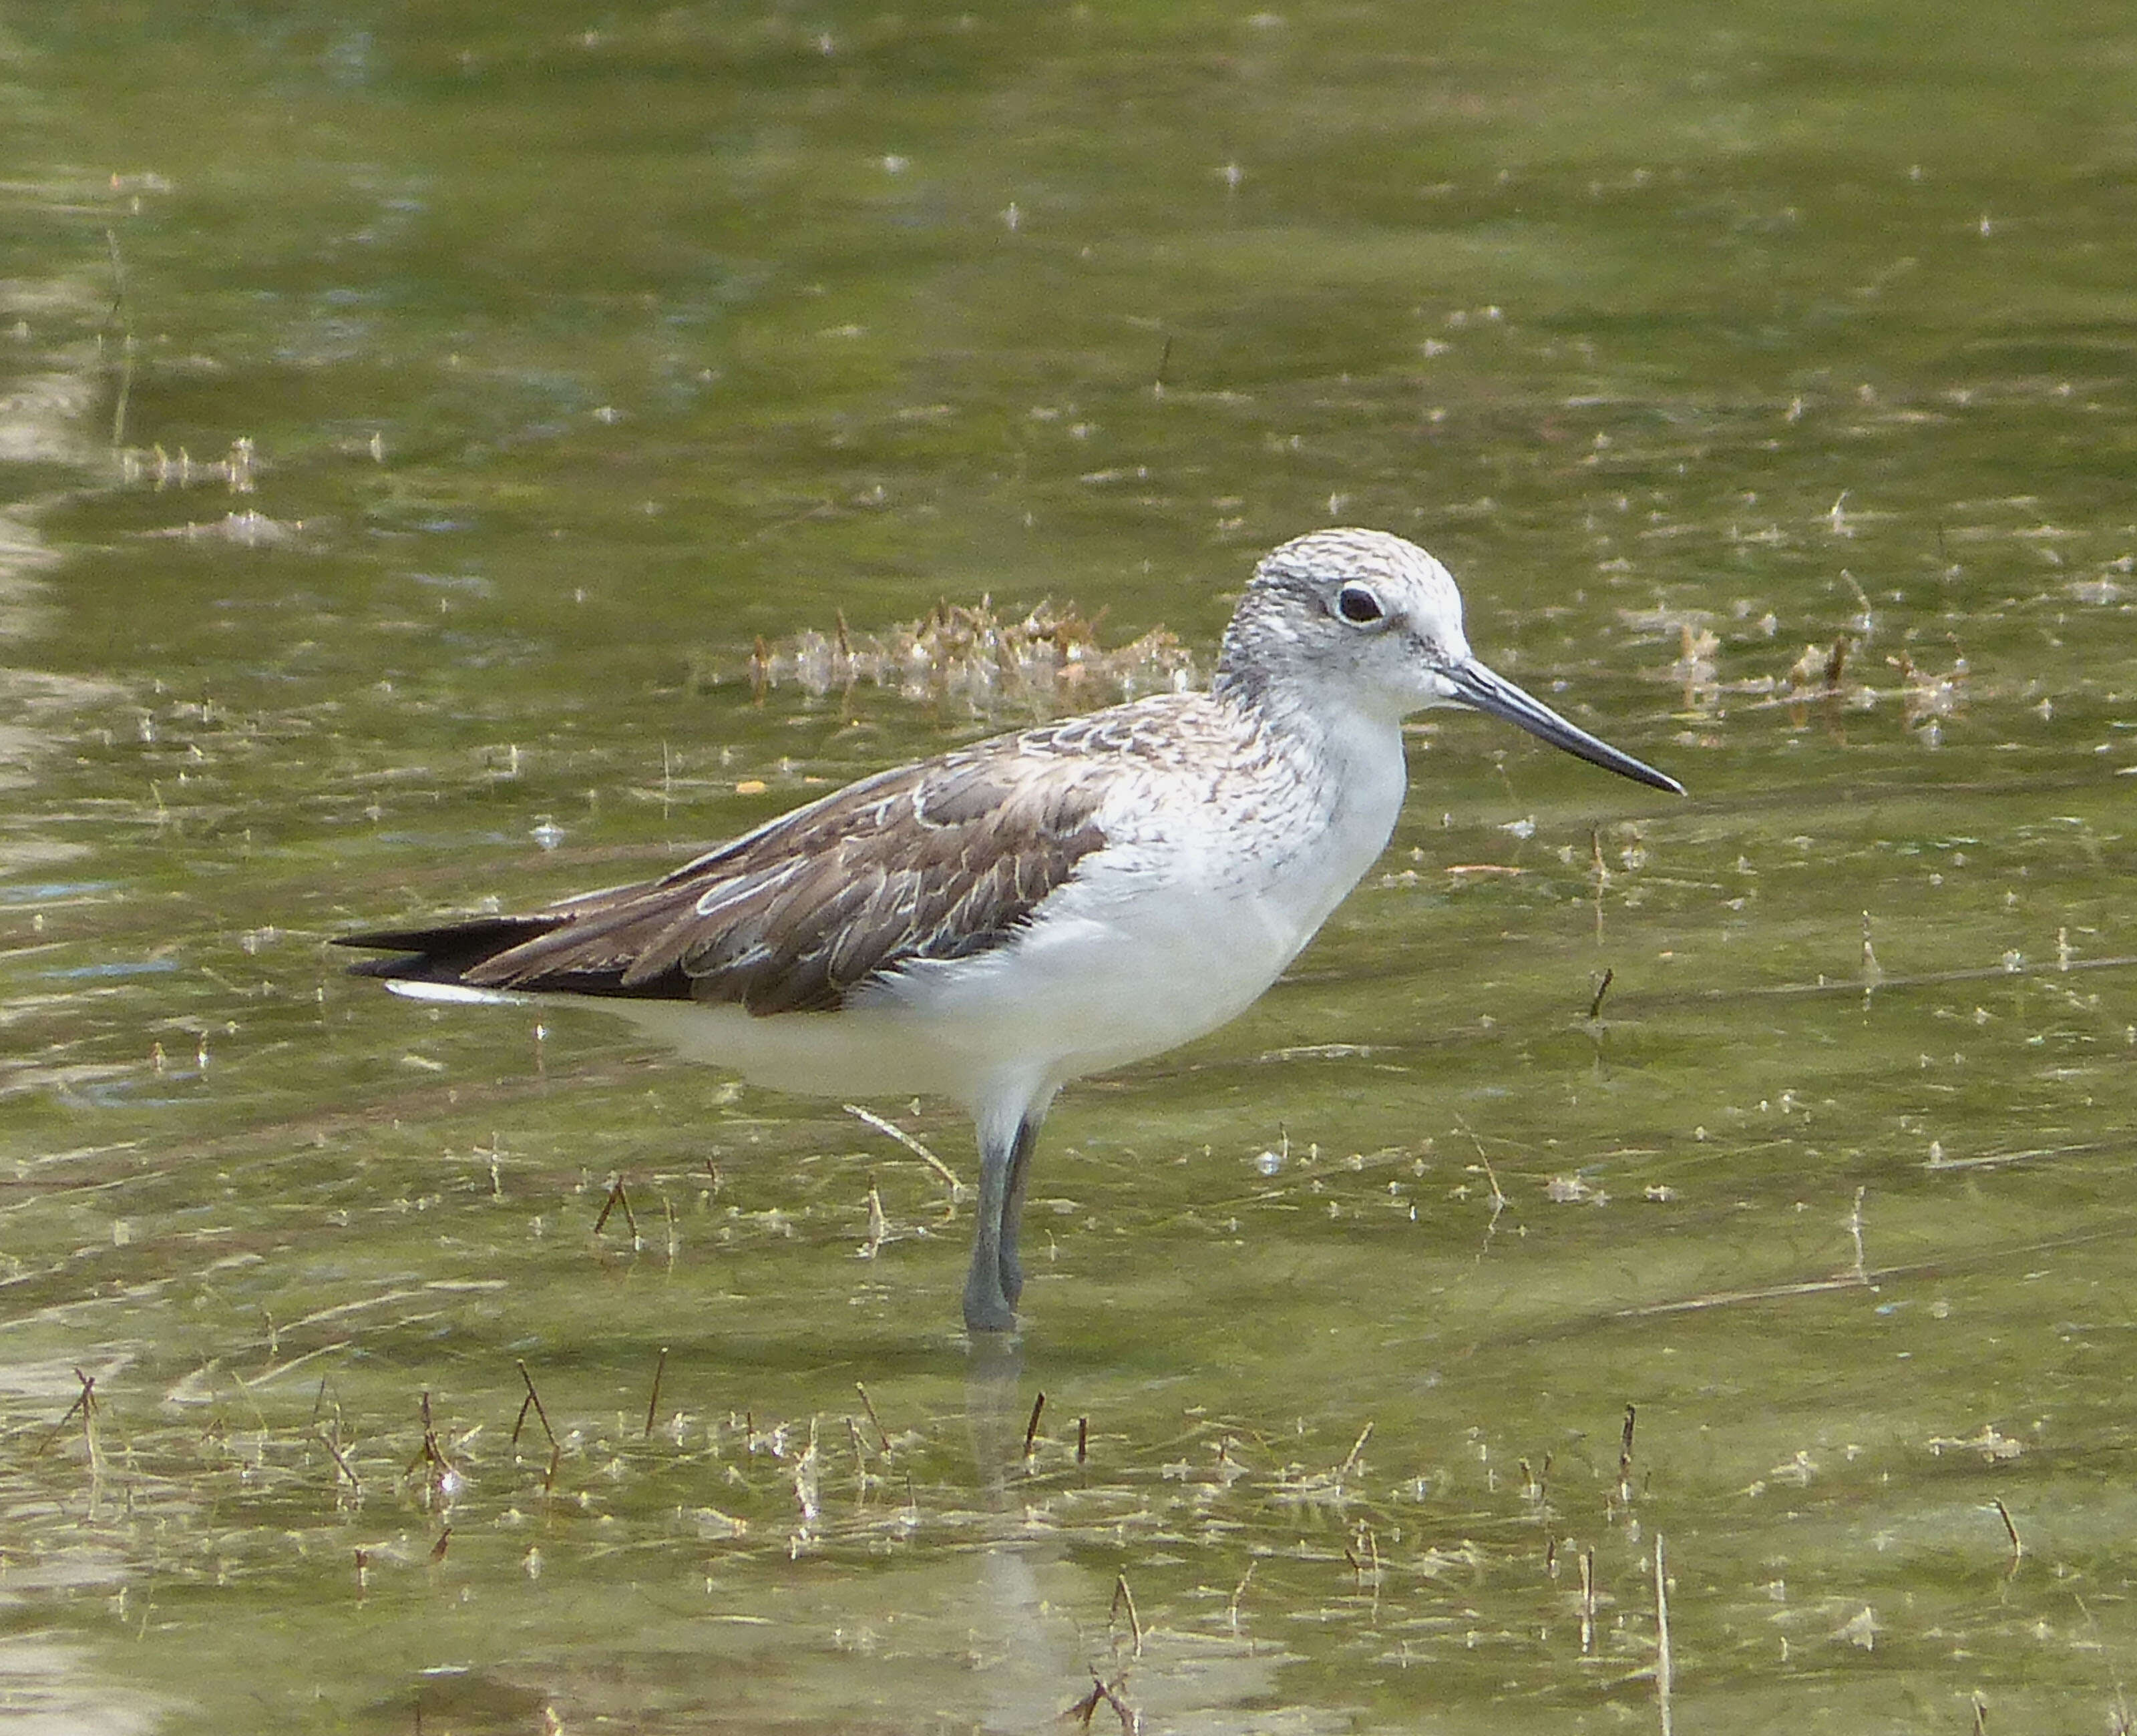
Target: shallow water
x,y
407,456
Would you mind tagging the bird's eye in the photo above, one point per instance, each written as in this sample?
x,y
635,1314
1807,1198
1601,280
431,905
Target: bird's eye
x,y
1357,606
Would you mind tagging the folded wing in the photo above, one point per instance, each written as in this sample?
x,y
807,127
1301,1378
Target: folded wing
x,y
942,860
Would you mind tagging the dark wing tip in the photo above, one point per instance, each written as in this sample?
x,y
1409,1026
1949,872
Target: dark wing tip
x,y
443,952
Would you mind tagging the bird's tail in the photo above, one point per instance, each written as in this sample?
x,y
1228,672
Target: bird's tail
x,y
445,952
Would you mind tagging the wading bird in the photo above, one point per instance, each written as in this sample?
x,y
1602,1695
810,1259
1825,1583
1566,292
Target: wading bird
x,y
988,925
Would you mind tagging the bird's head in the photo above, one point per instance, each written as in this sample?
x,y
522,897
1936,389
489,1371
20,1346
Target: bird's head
x,y
1372,618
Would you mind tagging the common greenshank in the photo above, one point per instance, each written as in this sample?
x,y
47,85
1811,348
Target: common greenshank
x,y
991,924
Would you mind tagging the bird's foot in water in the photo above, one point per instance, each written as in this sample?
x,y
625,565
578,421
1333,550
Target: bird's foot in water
x,y
986,1308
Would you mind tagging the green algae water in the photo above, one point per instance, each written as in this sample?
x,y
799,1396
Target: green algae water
x,y
448,456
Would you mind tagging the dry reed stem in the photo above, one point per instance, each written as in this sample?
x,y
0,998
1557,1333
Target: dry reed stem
x,y
1357,1447
534,1399
1665,1667
86,1403
1122,1595
653,1403
1625,1456
618,1196
882,1438
891,1129
2010,1528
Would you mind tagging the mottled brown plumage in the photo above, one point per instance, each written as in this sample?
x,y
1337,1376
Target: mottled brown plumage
x,y
937,861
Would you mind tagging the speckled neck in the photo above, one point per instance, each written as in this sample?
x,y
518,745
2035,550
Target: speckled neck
x,y
1259,664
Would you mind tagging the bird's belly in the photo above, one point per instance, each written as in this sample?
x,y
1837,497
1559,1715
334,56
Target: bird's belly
x,y
860,1053
845,1054
1093,985
1076,996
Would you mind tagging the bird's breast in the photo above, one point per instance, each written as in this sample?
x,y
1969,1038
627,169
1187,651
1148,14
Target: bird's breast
x,y
1207,886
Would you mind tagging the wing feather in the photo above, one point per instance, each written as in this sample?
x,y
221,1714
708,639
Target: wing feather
x,y
941,860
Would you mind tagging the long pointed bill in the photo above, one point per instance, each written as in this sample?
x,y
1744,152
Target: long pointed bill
x,y
1475,685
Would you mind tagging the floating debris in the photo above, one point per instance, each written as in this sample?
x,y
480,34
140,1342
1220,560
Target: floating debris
x,y
237,471
1048,659
1861,1630
1696,670
1818,670
247,529
1929,697
1993,1446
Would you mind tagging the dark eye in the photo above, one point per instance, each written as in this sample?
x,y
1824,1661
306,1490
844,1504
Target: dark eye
x,y
1357,606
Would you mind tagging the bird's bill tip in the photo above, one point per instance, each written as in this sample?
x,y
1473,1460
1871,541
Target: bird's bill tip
x,y
1478,688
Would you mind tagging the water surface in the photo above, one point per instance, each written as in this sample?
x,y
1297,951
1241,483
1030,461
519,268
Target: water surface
x,y
405,461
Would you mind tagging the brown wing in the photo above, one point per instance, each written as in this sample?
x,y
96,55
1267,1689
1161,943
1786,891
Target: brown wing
x,y
937,861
